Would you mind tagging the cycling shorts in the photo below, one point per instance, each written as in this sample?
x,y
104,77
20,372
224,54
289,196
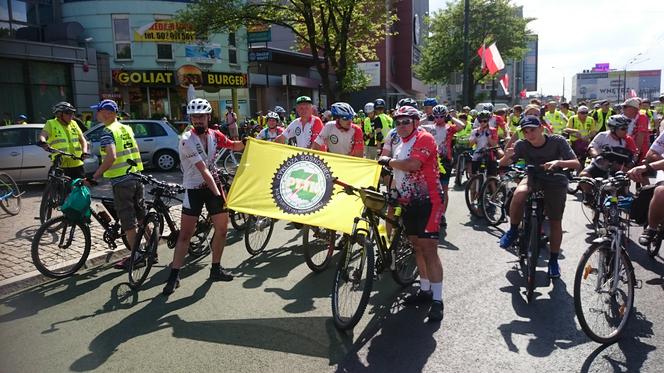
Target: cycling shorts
x,y
445,177
194,199
422,219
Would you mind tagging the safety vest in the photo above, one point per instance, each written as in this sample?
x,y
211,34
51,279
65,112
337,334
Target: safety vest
x,y
368,130
556,120
514,126
600,119
585,128
261,121
125,148
64,138
651,118
386,122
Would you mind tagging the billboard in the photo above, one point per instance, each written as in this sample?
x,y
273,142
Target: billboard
x,y
612,85
204,53
165,31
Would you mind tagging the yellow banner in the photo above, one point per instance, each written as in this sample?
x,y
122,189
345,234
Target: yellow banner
x,y
165,31
295,184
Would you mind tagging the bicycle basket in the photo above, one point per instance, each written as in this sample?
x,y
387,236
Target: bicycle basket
x,y
372,200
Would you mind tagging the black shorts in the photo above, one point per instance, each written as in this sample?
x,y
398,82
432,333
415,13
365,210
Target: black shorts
x,y
422,219
491,167
74,172
595,171
445,177
194,199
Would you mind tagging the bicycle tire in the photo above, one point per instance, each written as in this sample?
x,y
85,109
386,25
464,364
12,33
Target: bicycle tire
x,y
318,251
48,202
143,253
357,260
257,234
232,161
238,220
9,186
405,267
493,203
475,207
460,169
200,242
40,252
583,271
532,258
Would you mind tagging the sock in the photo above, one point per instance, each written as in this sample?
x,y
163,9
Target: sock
x,y
215,267
425,285
514,227
175,273
553,257
437,289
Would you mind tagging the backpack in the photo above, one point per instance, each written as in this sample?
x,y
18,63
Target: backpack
x,y
77,204
638,213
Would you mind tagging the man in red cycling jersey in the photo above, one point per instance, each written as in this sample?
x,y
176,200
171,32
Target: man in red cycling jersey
x,y
638,129
415,167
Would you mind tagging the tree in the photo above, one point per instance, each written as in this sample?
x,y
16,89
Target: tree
x,y
490,21
337,33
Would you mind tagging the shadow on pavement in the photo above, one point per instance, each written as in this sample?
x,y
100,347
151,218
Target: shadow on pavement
x,y
550,323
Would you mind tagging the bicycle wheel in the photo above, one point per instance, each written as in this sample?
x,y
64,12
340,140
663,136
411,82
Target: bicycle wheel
x,y
473,200
60,247
405,267
200,242
353,281
11,195
494,196
603,312
460,169
318,246
144,251
238,220
232,161
257,234
532,258
49,202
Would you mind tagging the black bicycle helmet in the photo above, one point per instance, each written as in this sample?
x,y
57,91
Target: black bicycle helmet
x,y
63,107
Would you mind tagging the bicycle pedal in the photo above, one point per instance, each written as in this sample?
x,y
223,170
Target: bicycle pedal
x,y
638,284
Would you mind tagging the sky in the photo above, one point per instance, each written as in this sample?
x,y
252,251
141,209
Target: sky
x,y
574,35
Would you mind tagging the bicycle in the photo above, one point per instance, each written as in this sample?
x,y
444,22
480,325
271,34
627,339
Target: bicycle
x,y
57,187
604,282
357,267
319,244
474,185
461,169
10,195
496,195
228,160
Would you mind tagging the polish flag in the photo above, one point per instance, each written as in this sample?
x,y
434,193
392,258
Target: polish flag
x,y
523,93
505,82
491,58
632,93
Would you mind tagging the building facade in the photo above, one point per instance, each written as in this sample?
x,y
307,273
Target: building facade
x,y
616,85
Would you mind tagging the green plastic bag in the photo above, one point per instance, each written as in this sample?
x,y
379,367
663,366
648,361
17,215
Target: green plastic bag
x,y
77,204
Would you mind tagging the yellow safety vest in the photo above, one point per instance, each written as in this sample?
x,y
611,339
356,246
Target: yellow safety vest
x,y
64,138
368,129
651,118
125,148
386,122
585,128
556,120
600,121
514,126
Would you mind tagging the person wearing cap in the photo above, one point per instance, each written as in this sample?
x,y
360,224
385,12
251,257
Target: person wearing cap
x,y
369,135
565,110
306,128
552,152
581,128
118,146
382,122
429,103
22,119
638,129
62,133
601,115
555,118
415,164
231,122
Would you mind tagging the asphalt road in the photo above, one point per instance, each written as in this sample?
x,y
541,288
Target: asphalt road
x,y
275,316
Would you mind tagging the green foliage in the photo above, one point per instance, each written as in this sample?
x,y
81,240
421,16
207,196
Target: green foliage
x,y
490,21
338,33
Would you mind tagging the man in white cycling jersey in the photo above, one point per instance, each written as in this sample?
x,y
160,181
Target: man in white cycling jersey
x,y
304,129
198,147
341,136
272,131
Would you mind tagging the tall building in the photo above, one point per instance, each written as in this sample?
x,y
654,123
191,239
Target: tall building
x,y
615,85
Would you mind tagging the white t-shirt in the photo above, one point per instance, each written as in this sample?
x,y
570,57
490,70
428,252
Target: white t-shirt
x,y
440,134
304,134
268,135
192,151
482,140
339,141
658,147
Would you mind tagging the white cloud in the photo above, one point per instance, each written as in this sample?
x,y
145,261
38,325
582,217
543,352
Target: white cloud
x,y
576,34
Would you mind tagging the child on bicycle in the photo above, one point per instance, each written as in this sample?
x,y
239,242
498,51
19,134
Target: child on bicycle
x,y
548,151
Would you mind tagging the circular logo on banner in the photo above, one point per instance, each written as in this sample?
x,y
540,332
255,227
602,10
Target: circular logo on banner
x,y
298,131
334,139
302,184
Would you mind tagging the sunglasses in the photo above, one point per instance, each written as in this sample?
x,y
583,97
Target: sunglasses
x,y
404,122
440,116
484,121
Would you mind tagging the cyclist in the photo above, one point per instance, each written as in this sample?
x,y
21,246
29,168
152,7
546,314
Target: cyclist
x,y
118,146
305,128
443,131
341,136
601,115
654,162
382,122
416,178
580,128
484,137
549,151
429,104
272,131
198,148
369,135
63,134
565,110
615,141
282,114
638,128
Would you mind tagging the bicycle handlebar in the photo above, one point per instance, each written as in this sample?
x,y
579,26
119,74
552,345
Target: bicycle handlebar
x,y
60,152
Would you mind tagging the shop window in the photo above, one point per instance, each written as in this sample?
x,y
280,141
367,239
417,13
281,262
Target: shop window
x,y
232,50
164,52
121,36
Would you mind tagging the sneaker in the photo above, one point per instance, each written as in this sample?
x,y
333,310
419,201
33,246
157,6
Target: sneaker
x,y
171,286
646,237
418,298
220,275
554,269
436,311
508,238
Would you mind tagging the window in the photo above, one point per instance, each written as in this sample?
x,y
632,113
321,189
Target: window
x,y
232,56
121,36
232,50
231,39
141,130
13,137
156,130
164,52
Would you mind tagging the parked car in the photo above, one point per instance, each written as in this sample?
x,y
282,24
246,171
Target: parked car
x,y
157,141
23,160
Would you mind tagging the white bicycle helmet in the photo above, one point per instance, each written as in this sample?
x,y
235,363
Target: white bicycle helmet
x,y
369,107
272,115
343,110
199,106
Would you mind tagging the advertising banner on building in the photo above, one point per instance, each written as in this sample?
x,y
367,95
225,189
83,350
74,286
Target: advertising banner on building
x,y
204,53
372,69
143,78
166,31
616,85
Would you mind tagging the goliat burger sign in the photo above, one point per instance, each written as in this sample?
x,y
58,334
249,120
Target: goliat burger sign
x,y
185,75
